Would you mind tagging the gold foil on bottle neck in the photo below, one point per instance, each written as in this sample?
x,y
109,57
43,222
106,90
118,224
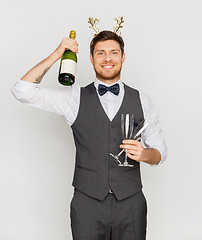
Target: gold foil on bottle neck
x,y
72,34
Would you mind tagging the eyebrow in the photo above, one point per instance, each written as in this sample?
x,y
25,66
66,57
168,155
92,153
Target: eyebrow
x,y
100,50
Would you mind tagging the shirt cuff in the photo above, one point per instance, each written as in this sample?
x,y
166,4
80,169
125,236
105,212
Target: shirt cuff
x,y
163,153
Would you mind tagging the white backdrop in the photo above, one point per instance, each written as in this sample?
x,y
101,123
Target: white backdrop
x,y
163,49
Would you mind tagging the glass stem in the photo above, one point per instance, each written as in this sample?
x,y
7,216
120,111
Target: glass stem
x,y
126,156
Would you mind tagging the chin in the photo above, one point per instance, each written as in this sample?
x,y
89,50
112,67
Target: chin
x,y
108,77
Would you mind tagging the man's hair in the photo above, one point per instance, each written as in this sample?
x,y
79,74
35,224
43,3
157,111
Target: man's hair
x,y
104,36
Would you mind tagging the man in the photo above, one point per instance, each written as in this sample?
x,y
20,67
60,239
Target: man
x,y
108,202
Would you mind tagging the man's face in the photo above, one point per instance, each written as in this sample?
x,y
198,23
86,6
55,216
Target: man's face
x,y
107,61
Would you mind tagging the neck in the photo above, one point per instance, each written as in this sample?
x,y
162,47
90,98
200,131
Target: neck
x,y
109,81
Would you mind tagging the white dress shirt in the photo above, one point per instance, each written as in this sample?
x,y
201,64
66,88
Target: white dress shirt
x,y
65,102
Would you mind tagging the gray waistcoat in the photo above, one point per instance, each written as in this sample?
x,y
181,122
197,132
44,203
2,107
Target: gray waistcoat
x,y
95,137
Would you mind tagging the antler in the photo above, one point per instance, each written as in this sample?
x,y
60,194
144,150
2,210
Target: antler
x,y
93,25
119,21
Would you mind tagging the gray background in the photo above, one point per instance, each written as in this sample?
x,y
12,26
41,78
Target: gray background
x,y
163,59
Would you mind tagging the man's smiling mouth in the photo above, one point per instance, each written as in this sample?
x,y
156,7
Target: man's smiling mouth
x,y
107,66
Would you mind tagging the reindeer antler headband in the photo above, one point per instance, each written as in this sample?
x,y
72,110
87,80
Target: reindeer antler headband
x,y
93,24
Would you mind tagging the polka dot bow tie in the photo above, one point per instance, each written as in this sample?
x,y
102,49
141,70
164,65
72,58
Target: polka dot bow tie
x,y
102,89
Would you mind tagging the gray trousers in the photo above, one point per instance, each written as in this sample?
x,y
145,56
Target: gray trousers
x,y
109,219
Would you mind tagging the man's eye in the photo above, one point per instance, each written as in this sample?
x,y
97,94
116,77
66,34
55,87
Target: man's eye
x,y
100,53
115,53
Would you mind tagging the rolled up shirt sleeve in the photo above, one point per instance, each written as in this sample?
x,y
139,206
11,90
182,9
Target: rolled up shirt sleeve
x,y
153,136
61,101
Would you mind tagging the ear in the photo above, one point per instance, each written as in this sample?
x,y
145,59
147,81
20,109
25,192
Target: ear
x,y
91,58
123,58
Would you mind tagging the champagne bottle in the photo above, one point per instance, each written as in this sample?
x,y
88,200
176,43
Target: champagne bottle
x,y
68,64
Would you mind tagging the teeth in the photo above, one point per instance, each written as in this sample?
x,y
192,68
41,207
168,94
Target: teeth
x,y
108,66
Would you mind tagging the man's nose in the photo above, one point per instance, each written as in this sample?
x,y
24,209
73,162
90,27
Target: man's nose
x,y
107,57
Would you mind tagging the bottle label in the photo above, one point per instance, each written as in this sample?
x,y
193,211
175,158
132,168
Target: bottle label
x,y
68,66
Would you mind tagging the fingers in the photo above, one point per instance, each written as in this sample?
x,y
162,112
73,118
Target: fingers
x,y
134,154
68,43
131,141
129,147
131,144
134,149
136,157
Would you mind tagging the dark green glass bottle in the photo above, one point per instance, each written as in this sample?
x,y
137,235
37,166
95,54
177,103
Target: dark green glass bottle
x,y
68,64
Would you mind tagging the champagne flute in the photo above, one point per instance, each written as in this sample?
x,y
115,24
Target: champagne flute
x,y
127,125
127,128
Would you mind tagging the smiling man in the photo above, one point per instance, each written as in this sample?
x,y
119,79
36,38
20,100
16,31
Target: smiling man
x,y
108,202
107,59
